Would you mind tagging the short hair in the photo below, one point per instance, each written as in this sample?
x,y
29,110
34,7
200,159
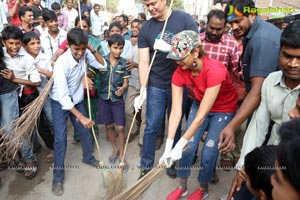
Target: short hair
x,y
98,5
55,6
136,21
115,24
288,150
259,166
2,63
125,18
290,36
12,32
29,36
22,11
83,18
116,39
239,5
219,14
49,15
77,36
143,16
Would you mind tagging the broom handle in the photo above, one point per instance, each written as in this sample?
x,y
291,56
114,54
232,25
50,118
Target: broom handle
x,y
88,94
146,81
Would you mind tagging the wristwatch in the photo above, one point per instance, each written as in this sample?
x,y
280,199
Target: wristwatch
x,y
93,52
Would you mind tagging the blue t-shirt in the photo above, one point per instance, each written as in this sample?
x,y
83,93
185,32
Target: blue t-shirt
x,y
261,50
163,68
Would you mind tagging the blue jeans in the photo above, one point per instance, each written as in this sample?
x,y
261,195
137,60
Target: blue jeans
x,y
9,111
215,122
158,99
60,119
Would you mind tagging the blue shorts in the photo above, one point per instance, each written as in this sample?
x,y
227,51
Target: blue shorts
x,y
111,112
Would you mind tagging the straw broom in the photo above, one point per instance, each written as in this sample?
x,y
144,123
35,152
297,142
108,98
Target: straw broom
x,y
21,128
106,175
147,180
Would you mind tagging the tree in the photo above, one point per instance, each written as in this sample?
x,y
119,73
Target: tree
x,y
112,6
177,4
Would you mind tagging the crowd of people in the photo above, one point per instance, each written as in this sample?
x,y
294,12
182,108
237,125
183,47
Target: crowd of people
x,y
235,78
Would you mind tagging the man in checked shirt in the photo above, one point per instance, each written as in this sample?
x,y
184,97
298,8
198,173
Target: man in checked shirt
x,y
221,47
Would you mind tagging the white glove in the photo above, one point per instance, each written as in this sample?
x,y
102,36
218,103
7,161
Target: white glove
x,y
161,45
139,100
164,158
176,152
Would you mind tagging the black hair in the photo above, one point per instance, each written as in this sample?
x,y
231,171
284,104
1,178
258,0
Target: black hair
x,y
125,18
12,32
29,36
219,14
288,155
55,6
115,24
77,36
116,39
290,36
49,15
240,5
143,16
22,11
136,21
98,5
2,63
259,166
83,18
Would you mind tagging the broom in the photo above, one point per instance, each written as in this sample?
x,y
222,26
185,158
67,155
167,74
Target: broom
x,y
106,175
143,183
21,128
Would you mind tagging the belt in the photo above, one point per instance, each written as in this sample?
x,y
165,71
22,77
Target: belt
x,y
29,90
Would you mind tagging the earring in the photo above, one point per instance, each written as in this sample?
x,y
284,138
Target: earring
x,y
195,64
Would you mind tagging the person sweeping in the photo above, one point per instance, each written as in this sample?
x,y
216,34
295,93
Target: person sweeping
x,y
214,105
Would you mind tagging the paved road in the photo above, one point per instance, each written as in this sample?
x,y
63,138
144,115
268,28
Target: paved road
x,y
83,182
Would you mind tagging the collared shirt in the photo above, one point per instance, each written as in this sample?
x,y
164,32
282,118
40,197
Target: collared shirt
x,y
33,29
134,73
225,51
43,61
96,22
111,78
72,14
276,101
67,88
62,19
50,45
127,35
22,65
261,50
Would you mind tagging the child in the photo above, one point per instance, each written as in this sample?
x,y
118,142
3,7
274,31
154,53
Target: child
x,y
32,45
259,167
67,101
113,84
21,70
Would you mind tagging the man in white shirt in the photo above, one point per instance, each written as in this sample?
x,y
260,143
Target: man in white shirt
x,y
72,14
96,21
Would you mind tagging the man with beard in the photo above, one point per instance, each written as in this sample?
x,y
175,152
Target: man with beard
x,y
278,96
51,40
221,47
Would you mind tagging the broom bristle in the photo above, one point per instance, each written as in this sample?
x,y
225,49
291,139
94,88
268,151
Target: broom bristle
x,y
22,128
107,177
139,187
116,186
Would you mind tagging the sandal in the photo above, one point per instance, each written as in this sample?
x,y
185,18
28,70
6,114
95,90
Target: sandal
x,y
113,158
58,188
50,157
30,170
124,166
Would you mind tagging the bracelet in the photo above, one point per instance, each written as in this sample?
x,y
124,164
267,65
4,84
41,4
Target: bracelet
x,y
77,118
93,52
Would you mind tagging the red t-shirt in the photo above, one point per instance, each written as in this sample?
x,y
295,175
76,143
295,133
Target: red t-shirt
x,y
15,18
213,73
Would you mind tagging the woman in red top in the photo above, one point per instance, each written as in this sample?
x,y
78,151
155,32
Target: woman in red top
x,y
214,105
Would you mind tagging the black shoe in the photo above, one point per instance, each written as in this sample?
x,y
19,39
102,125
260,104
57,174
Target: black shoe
x,y
172,172
214,179
143,173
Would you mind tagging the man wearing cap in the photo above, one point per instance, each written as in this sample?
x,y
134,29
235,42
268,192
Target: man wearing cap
x,y
158,91
214,105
